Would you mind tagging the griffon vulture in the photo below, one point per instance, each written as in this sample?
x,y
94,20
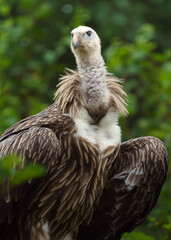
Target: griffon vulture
x,y
92,181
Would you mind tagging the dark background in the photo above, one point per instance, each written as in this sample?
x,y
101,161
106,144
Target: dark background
x,y
135,35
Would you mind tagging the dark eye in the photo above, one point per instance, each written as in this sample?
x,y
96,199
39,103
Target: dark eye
x,y
72,35
88,33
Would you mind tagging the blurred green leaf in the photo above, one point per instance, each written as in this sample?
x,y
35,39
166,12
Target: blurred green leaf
x,y
136,236
12,167
29,172
9,165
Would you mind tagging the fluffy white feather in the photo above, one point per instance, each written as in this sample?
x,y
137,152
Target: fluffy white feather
x,y
106,134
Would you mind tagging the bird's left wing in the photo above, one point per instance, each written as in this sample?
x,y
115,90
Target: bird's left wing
x,y
132,191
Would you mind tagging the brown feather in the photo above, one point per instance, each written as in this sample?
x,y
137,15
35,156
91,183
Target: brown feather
x,y
136,179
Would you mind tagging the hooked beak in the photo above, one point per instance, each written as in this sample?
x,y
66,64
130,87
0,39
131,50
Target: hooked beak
x,y
76,41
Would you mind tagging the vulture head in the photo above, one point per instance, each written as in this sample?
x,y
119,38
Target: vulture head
x,y
85,42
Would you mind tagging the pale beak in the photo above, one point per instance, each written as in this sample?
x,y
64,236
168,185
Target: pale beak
x,y
76,41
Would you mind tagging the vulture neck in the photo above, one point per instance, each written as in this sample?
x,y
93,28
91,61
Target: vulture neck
x,y
92,71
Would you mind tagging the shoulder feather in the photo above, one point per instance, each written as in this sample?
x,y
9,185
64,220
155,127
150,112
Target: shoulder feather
x,y
68,97
118,96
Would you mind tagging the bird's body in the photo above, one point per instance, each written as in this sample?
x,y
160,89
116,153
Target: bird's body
x,y
77,139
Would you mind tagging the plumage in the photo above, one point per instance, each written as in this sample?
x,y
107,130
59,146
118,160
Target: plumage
x,y
49,138
133,188
77,139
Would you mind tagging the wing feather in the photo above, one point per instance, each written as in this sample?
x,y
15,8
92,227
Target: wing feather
x,y
132,190
36,144
35,139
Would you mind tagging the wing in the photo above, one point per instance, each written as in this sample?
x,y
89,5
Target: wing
x,y
132,190
35,139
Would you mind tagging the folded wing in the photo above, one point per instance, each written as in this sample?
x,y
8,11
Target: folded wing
x,y
132,191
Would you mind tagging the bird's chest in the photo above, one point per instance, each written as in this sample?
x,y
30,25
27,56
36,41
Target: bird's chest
x,y
105,134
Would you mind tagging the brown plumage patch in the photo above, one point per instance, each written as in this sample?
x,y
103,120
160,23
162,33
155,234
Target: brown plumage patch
x,y
135,182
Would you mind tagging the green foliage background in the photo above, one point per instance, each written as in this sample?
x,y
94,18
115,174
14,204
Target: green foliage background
x,y
135,35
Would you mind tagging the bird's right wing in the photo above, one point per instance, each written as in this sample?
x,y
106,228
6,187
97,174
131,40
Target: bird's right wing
x,y
132,191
